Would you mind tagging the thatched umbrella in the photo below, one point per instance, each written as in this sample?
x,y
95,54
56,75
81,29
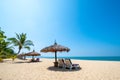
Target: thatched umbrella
x,y
55,48
21,56
32,54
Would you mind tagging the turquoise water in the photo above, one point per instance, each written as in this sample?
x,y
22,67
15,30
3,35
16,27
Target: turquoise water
x,y
92,58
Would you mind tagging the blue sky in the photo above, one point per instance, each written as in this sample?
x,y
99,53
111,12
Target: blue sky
x,y
87,27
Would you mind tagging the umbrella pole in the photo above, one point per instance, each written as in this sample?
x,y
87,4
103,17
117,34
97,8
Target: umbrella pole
x,y
32,57
55,56
56,63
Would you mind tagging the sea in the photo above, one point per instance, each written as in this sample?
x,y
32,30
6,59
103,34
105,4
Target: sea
x,y
114,58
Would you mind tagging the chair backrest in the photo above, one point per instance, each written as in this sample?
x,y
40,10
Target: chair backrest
x,y
37,59
68,62
61,62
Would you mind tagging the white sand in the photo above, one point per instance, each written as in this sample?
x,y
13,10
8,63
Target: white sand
x,y
91,70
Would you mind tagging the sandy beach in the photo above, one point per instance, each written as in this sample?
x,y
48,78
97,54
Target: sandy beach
x,y
44,70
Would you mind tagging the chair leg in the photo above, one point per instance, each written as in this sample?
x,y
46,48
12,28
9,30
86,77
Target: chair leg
x,y
71,67
64,66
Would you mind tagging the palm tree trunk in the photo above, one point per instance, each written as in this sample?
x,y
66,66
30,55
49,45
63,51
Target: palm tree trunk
x,y
19,51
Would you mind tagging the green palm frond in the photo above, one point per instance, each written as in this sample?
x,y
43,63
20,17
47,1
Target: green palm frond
x,y
22,38
17,36
14,41
27,47
28,42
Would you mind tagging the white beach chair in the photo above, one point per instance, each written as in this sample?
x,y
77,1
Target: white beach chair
x,y
69,64
61,63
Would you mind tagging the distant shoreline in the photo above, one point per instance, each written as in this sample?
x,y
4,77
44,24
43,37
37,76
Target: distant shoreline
x,y
115,58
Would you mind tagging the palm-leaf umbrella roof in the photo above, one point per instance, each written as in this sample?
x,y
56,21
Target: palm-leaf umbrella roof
x,y
32,54
55,48
21,54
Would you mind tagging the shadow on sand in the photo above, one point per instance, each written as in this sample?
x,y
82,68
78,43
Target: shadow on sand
x,y
25,62
52,68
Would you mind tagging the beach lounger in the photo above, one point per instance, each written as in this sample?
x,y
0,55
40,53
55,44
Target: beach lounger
x,y
69,64
34,60
61,63
37,60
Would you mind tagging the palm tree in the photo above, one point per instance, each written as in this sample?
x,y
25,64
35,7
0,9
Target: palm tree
x,y
2,41
5,48
21,42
